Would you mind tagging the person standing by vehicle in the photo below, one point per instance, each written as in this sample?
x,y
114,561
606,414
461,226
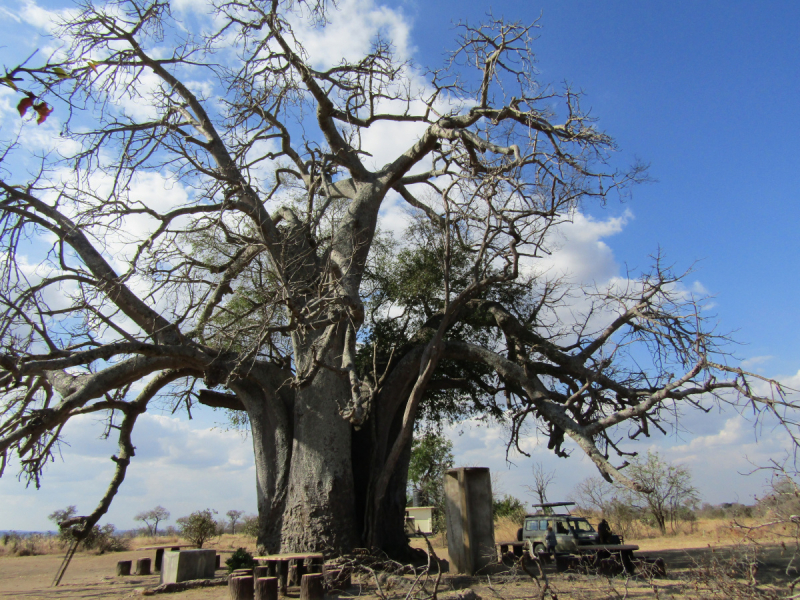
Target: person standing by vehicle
x,y
603,532
550,541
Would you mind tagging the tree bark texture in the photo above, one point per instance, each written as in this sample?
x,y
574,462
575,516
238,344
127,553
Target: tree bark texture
x,y
312,587
315,472
266,588
319,511
241,588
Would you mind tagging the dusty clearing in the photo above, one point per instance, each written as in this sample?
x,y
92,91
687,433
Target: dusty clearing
x,y
92,577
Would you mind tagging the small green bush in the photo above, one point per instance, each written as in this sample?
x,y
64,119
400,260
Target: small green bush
x,y
510,507
198,527
241,559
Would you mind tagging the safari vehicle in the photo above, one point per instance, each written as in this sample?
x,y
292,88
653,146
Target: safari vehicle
x,y
571,531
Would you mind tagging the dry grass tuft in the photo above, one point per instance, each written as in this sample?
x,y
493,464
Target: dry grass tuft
x,y
505,529
35,544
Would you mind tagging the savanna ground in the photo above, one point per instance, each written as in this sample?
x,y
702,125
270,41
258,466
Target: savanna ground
x,y
710,559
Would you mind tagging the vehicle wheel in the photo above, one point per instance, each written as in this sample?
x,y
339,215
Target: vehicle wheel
x,y
538,549
519,534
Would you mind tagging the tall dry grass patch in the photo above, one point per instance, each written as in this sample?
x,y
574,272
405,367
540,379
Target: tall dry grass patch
x,y
35,544
158,540
505,529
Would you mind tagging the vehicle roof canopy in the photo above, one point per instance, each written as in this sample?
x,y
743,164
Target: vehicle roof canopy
x,y
551,505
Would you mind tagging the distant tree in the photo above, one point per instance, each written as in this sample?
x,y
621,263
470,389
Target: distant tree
x,y
510,507
782,498
198,527
611,502
779,508
151,518
101,539
59,516
669,488
249,526
65,533
541,481
431,456
664,492
233,517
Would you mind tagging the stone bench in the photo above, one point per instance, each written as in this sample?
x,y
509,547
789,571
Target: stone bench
x,y
185,565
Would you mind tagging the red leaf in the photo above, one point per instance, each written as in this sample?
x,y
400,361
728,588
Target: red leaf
x,y
44,111
25,104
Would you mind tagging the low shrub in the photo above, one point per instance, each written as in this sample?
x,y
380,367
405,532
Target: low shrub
x,y
240,559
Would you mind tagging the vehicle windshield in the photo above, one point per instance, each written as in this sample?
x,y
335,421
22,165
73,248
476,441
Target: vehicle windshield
x,y
581,525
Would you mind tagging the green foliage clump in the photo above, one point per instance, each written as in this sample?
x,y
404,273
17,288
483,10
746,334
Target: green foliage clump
x,y
249,526
431,456
100,539
510,507
198,527
241,559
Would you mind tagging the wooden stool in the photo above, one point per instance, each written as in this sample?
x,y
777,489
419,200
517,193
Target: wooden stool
x,y
241,588
312,587
266,588
143,566
123,568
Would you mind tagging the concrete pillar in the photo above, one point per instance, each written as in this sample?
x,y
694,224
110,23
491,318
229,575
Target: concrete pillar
x,y
186,565
470,526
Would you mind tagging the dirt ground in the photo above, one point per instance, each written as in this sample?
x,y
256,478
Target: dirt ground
x,y
713,571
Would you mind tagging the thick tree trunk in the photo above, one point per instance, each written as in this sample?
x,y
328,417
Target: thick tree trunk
x,y
315,472
319,514
386,529
270,427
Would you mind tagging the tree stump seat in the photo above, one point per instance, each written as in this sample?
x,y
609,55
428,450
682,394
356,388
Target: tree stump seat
x,y
266,588
241,588
278,565
143,566
123,568
312,586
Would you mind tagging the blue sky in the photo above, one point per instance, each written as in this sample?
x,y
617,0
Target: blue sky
x,y
706,92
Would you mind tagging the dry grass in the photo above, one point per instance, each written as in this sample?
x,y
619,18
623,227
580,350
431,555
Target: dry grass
x,y
41,544
710,532
505,529
36,544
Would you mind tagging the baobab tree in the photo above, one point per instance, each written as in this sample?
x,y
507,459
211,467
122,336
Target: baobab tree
x,y
264,286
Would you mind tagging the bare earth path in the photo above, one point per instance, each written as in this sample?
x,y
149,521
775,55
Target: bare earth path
x,y
89,577
92,577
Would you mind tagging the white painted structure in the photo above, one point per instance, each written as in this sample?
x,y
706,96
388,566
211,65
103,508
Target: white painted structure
x,y
423,518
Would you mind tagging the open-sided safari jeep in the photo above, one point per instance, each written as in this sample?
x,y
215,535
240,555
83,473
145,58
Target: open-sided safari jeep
x,y
571,531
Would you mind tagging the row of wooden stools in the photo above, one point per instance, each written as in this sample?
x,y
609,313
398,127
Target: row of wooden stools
x,y
142,567
267,581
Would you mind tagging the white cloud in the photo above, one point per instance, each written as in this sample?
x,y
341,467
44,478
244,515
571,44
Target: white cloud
x,y
184,466
352,28
723,462
39,17
579,250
